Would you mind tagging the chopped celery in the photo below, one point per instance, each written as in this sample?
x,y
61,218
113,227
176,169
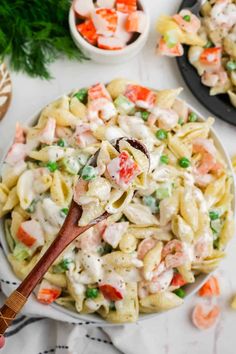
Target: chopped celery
x,y
88,173
71,165
152,203
164,192
21,252
171,39
216,226
123,104
82,95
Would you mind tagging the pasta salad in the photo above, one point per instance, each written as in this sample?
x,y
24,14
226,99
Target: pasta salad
x,y
212,41
156,240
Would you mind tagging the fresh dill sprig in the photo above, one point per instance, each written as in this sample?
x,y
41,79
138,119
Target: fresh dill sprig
x,y
34,33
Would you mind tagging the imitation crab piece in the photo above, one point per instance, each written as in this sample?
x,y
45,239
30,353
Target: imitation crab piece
x,y
203,318
121,31
187,21
126,6
210,58
30,233
17,153
136,22
48,293
173,51
110,43
83,8
108,4
141,96
88,31
210,288
145,246
105,21
98,91
48,133
123,170
112,287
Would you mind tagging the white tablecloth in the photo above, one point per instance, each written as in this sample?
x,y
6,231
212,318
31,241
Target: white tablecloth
x,y
171,333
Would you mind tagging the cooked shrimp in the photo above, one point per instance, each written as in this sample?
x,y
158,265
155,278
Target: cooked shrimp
x,y
145,245
204,319
211,79
161,282
89,241
101,108
175,51
174,253
210,288
80,189
166,118
208,156
84,136
224,13
187,21
16,153
48,133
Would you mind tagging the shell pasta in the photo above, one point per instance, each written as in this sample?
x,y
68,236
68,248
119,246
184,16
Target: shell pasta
x,y
170,203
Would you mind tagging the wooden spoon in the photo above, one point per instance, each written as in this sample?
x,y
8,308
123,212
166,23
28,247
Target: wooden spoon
x,y
68,233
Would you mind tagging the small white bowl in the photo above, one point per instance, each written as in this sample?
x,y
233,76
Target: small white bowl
x,y
109,56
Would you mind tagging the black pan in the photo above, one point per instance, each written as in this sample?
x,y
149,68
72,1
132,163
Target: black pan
x,y
219,105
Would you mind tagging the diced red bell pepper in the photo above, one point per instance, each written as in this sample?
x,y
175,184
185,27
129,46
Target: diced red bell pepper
x,y
98,91
210,288
110,292
126,6
88,31
211,57
178,280
142,96
105,21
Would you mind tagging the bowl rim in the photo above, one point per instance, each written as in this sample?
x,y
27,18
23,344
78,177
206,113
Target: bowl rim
x,y
95,319
108,53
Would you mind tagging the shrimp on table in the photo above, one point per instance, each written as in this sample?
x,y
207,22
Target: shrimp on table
x,y
204,319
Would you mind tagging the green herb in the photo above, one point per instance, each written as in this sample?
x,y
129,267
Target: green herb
x,y
180,121
61,143
82,95
112,306
180,292
92,293
35,33
63,266
161,134
52,166
105,249
209,44
231,65
144,115
184,162
187,18
88,173
192,117
21,252
64,211
213,215
164,159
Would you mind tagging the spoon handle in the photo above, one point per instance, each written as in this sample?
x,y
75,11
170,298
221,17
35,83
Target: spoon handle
x,y
69,231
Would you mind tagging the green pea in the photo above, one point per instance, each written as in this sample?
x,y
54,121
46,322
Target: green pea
x,y
180,121
192,117
144,115
88,173
92,293
214,215
52,166
63,266
82,95
231,65
61,143
184,162
180,292
187,18
161,134
64,211
164,159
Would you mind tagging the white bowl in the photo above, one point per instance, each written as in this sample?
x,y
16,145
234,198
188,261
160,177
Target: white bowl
x,y
109,56
190,289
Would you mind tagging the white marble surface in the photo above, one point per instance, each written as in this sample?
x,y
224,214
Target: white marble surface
x,y
173,331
